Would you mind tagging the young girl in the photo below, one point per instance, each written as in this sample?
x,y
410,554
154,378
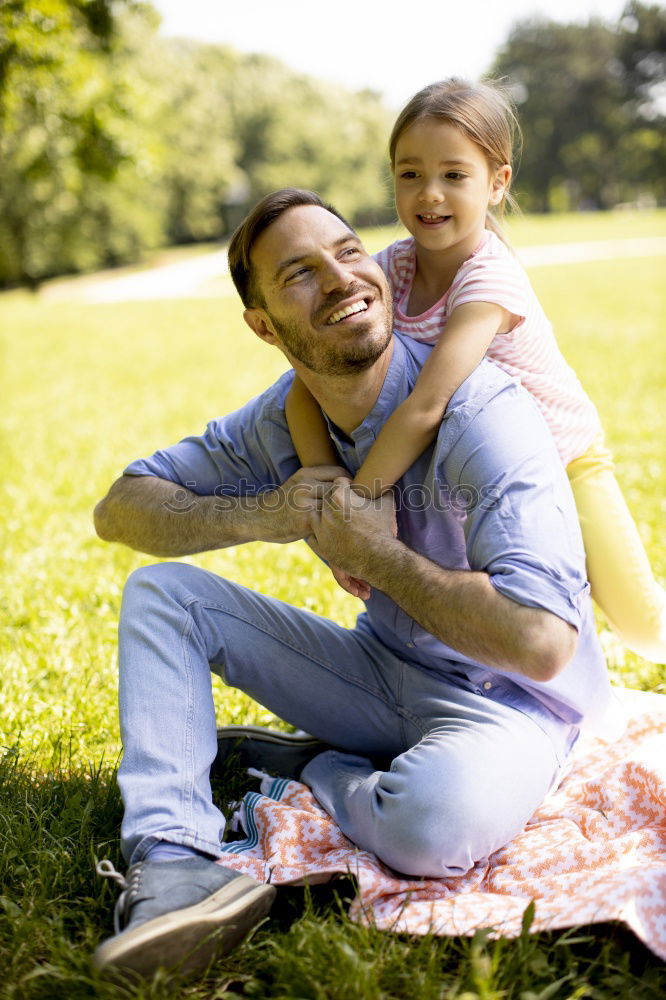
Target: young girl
x,y
457,285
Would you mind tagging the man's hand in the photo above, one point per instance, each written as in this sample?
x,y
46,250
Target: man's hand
x,y
289,508
348,526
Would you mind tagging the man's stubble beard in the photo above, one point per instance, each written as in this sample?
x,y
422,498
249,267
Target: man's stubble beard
x,y
340,359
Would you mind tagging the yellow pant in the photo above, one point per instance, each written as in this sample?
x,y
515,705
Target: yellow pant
x,y
617,566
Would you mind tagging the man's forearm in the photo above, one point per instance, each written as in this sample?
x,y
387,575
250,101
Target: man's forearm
x,y
465,611
164,519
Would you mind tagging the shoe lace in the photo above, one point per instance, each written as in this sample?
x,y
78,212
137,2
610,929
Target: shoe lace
x,y
130,889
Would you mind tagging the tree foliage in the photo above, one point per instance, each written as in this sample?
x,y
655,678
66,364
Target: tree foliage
x,y
114,139
592,102
71,138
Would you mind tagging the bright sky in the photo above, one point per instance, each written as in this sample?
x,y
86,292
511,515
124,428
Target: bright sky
x,y
393,46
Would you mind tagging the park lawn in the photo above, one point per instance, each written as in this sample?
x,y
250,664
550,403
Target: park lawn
x,y
88,389
575,227
523,230
564,227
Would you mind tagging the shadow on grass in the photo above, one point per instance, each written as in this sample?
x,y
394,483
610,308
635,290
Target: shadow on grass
x,y
54,910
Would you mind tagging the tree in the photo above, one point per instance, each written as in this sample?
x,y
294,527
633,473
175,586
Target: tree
x,y
68,138
641,50
642,56
584,91
569,98
293,130
194,128
113,139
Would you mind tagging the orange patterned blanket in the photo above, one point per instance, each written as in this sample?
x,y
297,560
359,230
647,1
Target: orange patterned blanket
x,y
594,851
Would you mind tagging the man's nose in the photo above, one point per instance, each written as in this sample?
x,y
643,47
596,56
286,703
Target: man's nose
x,y
334,275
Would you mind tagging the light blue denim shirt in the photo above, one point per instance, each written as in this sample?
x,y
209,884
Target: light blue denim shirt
x,y
490,494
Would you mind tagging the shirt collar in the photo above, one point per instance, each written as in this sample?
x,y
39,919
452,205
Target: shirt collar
x,y
402,373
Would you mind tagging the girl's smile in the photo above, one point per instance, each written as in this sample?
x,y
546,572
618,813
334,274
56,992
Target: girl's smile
x,y
430,220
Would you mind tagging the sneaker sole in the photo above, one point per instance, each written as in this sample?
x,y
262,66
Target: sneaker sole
x,y
189,938
253,746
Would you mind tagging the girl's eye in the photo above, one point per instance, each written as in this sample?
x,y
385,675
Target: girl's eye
x,y
455,175
408,175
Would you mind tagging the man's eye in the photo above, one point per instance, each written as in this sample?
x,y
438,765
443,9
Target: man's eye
x,y
351,252
297,274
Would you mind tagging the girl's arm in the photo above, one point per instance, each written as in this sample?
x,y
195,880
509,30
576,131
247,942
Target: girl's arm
x,y
308,428
309,433
415,424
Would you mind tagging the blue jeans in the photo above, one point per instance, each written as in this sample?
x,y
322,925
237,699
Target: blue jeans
x,y
468,769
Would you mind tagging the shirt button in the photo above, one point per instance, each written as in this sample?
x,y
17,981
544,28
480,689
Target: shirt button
x,y
410,645
487,686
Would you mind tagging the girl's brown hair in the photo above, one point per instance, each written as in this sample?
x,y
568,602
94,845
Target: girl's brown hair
x,y
484,112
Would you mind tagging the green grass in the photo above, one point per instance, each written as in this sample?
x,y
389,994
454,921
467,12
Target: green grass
x,y
565,227
87,389
523,230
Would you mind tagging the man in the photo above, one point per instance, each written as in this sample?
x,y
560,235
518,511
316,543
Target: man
x,y
471,671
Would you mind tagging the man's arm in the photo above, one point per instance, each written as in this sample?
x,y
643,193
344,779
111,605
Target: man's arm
x,y
463,610
459,607
165,519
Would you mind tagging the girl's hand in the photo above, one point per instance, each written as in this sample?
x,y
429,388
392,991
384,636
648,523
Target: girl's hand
x,y
354,586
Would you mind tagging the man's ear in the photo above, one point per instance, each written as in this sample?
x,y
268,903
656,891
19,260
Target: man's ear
x,y
259,321
500,184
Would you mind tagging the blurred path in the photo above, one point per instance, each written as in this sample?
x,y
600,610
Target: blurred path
x,y
207,275
576,253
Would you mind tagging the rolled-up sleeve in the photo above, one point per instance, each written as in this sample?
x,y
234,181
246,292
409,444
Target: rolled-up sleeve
x,y
521,524
241,453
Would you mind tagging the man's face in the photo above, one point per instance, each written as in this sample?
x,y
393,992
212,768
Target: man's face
x,y
326,302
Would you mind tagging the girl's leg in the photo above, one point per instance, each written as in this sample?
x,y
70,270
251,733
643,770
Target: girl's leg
x,y
617,566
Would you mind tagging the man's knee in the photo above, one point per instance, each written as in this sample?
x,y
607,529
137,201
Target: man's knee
x,y
147,579
151,586
165,577
431,832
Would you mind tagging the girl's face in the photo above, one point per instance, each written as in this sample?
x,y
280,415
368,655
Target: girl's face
x,y
443,187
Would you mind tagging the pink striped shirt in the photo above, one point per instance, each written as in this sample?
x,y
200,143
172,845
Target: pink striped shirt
x,y
529,352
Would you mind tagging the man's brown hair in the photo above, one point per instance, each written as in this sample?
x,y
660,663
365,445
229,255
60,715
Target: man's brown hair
x,y
260,218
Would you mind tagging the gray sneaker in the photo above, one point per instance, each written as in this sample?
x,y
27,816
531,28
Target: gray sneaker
x,y
283,754
179,913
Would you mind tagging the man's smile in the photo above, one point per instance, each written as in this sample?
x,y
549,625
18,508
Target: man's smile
x,y
342,307
350,310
